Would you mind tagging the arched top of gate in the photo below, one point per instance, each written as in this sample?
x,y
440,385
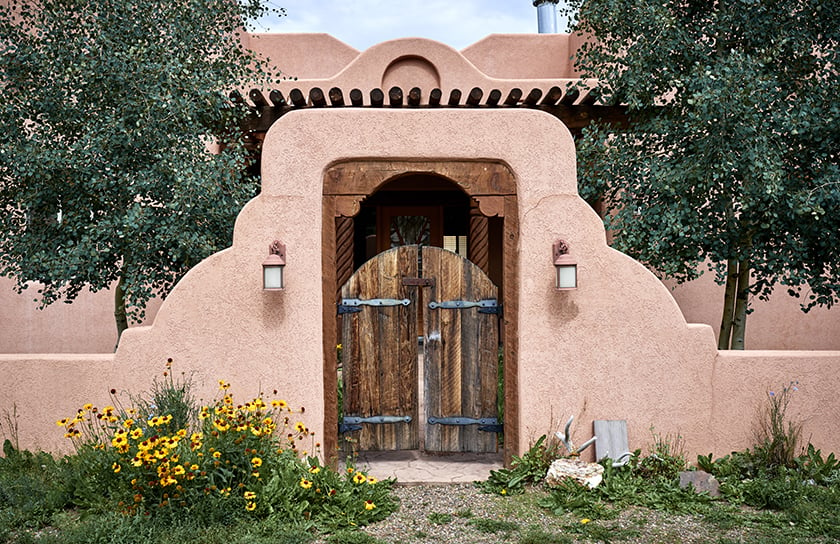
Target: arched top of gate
x,y
364,177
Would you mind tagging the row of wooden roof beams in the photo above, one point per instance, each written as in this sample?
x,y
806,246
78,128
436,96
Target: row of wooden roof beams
x,y
572,108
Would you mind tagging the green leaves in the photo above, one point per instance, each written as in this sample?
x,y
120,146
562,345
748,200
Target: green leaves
x,y
732,150
108,109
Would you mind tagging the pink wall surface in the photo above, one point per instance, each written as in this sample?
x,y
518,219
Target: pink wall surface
x,y
618,347
502,61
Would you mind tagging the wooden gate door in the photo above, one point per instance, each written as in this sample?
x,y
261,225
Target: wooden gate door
x,y
380,305
460,355
379,352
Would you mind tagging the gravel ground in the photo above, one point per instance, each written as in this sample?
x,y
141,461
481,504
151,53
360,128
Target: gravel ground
x,y
462,514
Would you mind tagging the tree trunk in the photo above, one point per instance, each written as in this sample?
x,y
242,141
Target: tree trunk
x,y
119,309
725,334
739,325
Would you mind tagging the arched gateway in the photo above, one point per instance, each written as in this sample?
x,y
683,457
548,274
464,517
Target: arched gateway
x,y
413,206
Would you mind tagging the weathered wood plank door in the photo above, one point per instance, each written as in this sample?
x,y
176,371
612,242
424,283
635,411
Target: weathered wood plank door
x,y
379,351
460,355
380,309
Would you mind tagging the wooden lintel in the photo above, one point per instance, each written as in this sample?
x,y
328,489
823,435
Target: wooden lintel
x,y
361,177
576,117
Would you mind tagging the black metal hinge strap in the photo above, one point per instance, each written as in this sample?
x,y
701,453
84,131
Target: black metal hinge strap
x,y
488,306
353,305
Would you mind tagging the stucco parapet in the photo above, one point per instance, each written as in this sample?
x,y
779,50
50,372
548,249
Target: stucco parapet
x,y
432,64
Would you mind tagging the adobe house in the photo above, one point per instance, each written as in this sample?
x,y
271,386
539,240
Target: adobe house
x,y
422,203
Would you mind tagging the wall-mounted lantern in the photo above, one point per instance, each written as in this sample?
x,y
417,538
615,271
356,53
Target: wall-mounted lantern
x,y
565,266
273,266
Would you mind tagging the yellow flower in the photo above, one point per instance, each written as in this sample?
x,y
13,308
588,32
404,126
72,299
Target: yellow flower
x,y
62,422
128,423
256,462
223,386
585,521
503,492
369,505
359,478
137,433
250,506
279,404
250,495
116,467
304,483
372,481
217,454
87,407
314,470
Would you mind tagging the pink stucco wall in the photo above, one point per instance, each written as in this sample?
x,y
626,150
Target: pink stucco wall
x,y
500,61
617,347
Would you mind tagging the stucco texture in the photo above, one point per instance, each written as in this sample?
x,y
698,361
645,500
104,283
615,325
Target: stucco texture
x,y
618,347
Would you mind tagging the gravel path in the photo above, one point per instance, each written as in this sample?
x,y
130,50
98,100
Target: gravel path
x,y
462,514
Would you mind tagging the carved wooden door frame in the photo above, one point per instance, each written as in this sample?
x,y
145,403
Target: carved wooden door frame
x,y
491,184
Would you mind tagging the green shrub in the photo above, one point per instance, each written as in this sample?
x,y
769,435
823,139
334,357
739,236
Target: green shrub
x,y
528,469
666,459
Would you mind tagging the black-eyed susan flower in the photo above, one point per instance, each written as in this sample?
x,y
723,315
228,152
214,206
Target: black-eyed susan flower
x,y
369,505
359,478
304,483
256,462
314,470
250,506
249,495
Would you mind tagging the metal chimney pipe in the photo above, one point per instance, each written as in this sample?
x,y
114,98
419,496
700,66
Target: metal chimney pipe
x,y
546,16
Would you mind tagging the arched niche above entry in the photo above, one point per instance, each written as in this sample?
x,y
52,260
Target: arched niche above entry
x,y
411,71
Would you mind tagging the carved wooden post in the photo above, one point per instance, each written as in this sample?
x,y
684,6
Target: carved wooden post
x,y
343,250
479,243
